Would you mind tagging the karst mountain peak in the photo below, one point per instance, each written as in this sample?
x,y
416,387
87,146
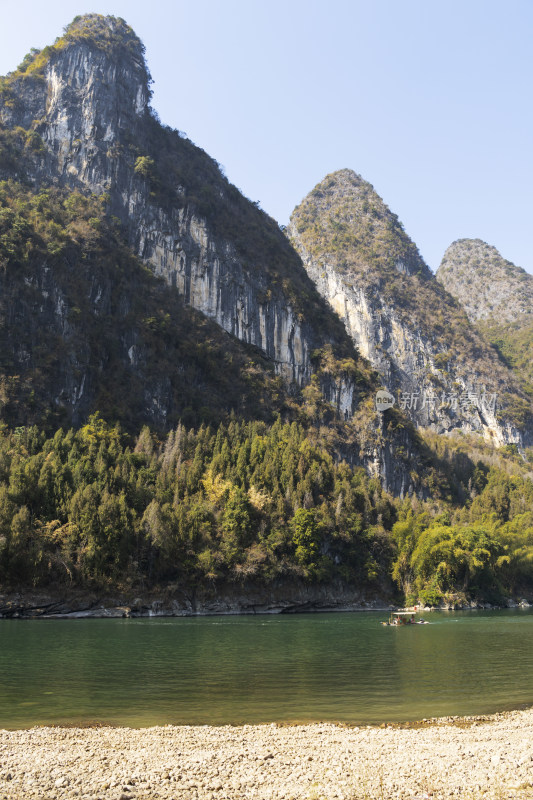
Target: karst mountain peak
x,y
413,332
497,295
485,283
345,210
345,293
189,392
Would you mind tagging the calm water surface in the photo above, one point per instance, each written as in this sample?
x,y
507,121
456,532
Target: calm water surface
x,y
341,667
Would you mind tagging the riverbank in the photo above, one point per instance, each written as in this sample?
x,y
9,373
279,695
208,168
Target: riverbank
x,y
470,757
282,598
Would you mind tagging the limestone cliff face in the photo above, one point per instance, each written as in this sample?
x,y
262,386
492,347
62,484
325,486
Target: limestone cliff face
x,y
440,370
486,284
79,115
90,105
210,276
84,326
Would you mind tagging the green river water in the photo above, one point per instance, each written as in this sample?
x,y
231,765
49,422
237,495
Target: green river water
x,y
216,670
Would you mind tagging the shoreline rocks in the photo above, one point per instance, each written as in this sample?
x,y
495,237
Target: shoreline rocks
x,y
488,757
282,599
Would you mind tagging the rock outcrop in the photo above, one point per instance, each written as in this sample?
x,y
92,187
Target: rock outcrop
x,y
84,326
413,332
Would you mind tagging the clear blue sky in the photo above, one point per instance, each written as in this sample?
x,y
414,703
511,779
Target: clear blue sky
x,y
429,100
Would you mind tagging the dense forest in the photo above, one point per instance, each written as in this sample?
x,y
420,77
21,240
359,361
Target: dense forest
x,y
238,476
244,500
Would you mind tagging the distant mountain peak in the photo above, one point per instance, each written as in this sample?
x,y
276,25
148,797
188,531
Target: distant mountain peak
x,y
485,283
346,212
412,331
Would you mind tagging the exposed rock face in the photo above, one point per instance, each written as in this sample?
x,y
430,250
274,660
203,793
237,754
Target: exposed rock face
x,y
81,112
90,107
212,279
414,334
486,284
84,326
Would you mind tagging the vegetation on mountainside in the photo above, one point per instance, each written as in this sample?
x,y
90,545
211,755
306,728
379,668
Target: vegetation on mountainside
x,y
498,298
239,501
514,343
489,287
245,501
15,146
479,545
75,301
483,558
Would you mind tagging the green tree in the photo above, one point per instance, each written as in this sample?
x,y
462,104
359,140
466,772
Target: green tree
x,y
306,537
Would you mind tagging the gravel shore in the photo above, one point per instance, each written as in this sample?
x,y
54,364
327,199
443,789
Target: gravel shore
x,y
471,757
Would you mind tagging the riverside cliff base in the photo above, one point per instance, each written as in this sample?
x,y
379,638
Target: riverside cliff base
x,y
470,757
282,598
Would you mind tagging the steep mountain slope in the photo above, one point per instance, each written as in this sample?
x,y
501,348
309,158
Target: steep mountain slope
x,y
81,108
135,280
514,342
486,285
75,123
412,331
498,298
84,326
86,97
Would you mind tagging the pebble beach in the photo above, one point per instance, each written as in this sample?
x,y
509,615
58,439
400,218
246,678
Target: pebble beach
x,y
470,757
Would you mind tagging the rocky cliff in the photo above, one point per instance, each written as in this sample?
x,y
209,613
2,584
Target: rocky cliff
x,y
84,326
89,168
413,332
87,98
